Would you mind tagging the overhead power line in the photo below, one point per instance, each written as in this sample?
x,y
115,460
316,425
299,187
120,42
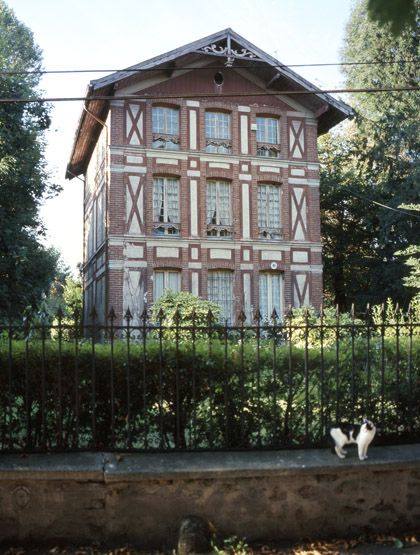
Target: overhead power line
x,y
362,197
140,70
206,95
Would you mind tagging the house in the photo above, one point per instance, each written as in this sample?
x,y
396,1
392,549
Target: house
x,y
201,174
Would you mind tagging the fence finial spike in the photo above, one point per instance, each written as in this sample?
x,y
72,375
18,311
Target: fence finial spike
x,y
111,314
144,315
160,315
242,317
210,317
93,314
274,315
258,316
128,316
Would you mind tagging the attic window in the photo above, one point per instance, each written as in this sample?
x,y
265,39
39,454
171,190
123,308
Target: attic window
x,y
219,79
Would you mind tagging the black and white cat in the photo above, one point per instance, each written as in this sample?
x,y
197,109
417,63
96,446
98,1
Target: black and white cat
x,y
345,434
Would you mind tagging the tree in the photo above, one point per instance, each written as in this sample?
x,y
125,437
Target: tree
x,y
377,171
26,266
398,14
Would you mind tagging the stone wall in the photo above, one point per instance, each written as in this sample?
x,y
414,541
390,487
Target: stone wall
x,y
142,498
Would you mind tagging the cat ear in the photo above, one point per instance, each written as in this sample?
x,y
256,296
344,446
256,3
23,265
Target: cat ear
x,y
365,420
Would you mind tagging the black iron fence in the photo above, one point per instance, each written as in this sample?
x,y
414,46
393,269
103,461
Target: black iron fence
x,y
199,385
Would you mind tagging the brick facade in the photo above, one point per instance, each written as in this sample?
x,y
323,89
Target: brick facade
x,y
122,249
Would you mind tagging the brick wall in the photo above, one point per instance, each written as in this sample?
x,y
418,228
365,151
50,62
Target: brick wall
x,y
134,164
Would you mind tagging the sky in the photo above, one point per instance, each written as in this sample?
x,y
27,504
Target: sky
x,y
109,35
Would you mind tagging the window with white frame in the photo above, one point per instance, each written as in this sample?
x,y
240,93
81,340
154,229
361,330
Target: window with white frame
x,y
271,294
269,211
165,127
218,209
220,291
166,206
165,279
268,133
217,130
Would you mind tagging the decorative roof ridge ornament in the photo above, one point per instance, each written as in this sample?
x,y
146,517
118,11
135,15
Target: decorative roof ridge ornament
x,y
228,51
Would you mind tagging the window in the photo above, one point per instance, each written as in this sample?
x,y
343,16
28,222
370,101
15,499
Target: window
x,y
269,211
218,209
218,132
220,291
165,128
166,206
100,218
268,137
271,293
165,279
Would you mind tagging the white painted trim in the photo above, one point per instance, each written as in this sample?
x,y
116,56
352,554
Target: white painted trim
x,y
167,252
193,129
193,173
167,161
194,207
174,155
246,230
246,266
193,103
195,265
269,169
195,283
221,165
245,177
225,254
244,109
272,255
244,134
265,163
127,169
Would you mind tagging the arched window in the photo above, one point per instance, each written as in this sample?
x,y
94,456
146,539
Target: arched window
x,y
220,291
165,127
217,130
271,294
268,136
218,209
269,211
166,218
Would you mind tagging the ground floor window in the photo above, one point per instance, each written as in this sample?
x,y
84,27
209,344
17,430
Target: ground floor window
x,y
271,294
220,291
165,279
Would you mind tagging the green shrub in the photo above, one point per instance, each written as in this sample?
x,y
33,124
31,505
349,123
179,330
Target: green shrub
x,y
162,393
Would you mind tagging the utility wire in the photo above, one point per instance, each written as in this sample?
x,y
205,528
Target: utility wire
x,y
362,197
206,95
176,68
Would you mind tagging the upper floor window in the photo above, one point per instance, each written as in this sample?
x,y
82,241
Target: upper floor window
x,y
269,211
165,279
220,291
165,127
166,206
268,134
218,132
218,209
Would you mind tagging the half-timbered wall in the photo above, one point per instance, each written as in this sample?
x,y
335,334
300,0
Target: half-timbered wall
x,y
135,252
95,222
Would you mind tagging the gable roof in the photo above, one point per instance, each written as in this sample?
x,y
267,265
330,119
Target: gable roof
x,y
228,45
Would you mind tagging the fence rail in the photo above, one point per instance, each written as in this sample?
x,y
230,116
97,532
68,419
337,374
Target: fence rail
x,y
199,385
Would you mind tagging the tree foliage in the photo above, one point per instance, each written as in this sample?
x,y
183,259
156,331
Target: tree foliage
x,y
26,266
397,14
371,168
183,310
